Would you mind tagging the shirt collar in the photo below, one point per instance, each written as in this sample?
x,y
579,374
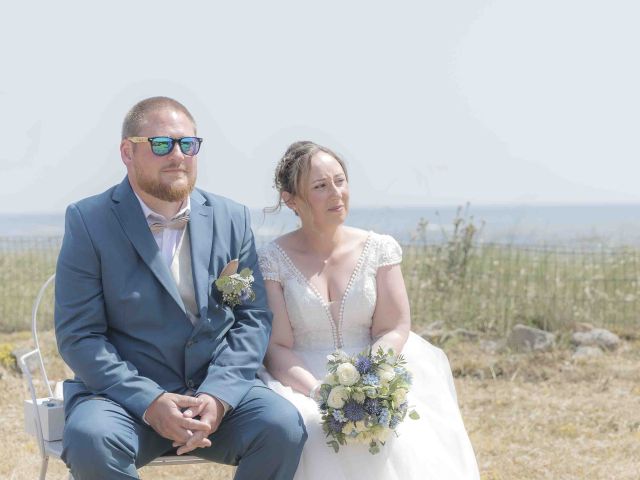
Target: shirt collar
x,y
151,213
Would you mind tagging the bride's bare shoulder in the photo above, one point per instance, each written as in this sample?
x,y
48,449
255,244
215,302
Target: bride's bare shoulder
x,y
356,235
289,241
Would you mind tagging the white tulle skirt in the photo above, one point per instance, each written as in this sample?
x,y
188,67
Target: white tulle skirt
x,y
434,447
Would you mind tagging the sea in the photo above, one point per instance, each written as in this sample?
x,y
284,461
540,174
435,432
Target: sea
x,y
561,225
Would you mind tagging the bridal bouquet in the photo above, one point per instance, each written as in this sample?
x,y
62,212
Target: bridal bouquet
x,y
363,398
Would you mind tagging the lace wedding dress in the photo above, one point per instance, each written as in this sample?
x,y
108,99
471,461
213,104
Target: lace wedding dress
x,y
434,447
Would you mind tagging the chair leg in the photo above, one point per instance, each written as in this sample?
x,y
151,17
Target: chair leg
x,y
43,467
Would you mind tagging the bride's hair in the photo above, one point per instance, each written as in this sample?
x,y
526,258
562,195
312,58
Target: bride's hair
x,y
293,168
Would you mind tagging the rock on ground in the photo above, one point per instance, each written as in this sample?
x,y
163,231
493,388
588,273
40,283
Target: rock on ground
x,y
527,339
584,352
597,337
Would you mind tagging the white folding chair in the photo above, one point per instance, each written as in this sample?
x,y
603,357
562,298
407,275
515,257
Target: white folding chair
x,y
54,448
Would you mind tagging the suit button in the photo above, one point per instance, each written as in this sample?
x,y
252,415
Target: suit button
x,y
191,384
190,343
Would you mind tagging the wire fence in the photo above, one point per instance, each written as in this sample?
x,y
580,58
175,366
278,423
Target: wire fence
x,y
485,287
25,264
491,287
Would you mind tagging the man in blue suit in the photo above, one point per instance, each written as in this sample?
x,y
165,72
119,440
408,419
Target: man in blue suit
x,y
161,359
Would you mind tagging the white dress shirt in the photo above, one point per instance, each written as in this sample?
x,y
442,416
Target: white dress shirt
x,y
168,240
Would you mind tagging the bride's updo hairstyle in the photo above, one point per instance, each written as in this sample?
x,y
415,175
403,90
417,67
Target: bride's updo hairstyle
x,y
293,169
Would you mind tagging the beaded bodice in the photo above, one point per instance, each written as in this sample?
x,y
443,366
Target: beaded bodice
x,y
313,324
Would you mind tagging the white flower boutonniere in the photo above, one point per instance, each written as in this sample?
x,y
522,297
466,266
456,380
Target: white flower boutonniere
x,y
235,287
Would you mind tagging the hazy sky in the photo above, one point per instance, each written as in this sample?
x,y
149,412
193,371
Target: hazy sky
x,y
429,102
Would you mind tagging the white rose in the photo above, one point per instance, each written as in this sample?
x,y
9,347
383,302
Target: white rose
x,y
383,434
399,396
340,356
360,426
337,397
364,438
349,440
347,374
330,379
348,428
386,373
358,396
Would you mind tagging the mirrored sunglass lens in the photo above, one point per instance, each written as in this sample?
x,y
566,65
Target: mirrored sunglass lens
x,y
161,145
189,145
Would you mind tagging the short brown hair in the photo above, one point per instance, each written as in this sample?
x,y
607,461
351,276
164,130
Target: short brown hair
x,y
135,117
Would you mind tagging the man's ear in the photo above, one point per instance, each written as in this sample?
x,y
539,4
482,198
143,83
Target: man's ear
x,y
126,152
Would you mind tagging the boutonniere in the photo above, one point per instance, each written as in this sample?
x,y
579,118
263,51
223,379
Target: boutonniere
x,y
235,287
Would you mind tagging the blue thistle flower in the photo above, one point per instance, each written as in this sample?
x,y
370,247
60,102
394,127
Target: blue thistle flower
x,y
372,406
245,294
370,379
339,416
353,411
404,374
363,364
383,417
335,426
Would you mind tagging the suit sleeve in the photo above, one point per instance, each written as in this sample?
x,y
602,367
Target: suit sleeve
x,y
82,327
238,357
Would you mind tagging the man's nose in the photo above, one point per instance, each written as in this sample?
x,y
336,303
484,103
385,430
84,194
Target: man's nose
x,y
176,152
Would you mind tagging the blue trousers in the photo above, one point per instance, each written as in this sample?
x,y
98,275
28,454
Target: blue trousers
x,y
263,435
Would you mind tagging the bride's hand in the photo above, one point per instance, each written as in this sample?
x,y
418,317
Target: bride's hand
x,y
314,393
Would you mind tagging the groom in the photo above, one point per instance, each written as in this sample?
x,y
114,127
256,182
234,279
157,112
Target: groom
x,y
161,360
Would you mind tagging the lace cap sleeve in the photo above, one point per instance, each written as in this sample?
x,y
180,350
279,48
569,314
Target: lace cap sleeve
x,y
389,251
269,263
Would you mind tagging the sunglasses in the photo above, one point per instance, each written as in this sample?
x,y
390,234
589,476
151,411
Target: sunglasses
x,y
164,145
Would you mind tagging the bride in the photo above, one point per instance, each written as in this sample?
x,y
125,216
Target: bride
x,y
332,287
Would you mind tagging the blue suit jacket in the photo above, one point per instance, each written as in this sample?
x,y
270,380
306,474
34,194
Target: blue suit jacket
x,y
120,323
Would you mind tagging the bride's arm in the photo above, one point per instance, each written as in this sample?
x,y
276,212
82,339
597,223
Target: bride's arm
x,y
391,318
281,360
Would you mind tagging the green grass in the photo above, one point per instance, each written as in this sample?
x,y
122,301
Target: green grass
x,y
496,286
459,282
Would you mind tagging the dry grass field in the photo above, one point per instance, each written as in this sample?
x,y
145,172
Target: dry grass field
x,y
530,416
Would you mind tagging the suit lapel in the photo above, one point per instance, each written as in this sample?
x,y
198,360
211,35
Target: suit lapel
x,y
201,235
127,208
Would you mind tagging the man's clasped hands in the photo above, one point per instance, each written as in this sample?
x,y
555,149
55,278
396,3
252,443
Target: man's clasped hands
x,y
186,420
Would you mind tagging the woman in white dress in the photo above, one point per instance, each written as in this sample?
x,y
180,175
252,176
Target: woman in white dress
x,y
335,287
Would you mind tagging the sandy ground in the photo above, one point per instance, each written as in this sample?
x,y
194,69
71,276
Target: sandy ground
x,y
529,416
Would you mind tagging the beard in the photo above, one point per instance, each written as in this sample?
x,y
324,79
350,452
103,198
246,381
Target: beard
x,y
175,191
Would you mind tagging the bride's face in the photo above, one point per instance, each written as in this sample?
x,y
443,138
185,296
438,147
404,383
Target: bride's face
x,y
327,192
